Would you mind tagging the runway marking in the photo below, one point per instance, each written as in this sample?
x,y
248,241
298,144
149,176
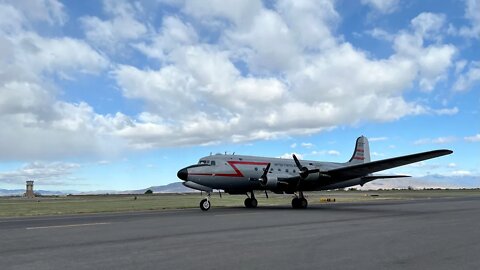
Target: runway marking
x,y
68,226
236,214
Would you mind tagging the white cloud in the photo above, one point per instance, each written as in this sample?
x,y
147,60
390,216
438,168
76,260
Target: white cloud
x,y
236,87
472,13
377,154
50,11
428,25
469,78
307,145
123,26
382,6
40,172
29,64
333,152
439,140
446,111
461,173
293,145
474,138
199,83
290,156
432,62
376,139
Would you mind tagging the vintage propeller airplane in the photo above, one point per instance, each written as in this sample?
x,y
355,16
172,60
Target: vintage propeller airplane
x,y
236,174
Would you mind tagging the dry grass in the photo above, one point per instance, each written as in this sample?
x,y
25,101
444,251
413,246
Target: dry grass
x,y
16,206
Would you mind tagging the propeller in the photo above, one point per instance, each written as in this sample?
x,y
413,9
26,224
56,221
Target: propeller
x,y
263,178
303,171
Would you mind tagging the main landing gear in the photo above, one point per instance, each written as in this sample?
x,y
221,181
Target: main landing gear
x,y
299,202
205,203
251,202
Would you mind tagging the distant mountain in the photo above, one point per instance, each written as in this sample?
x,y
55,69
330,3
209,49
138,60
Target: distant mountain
x,y
20,192
176,187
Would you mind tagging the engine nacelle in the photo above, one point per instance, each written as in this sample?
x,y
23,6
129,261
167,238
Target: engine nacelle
x,y
270,182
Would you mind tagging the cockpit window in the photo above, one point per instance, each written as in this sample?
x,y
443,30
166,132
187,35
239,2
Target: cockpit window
x,y
204,162
212,162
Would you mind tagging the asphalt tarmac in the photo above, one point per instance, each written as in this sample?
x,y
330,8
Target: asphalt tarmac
x,y
419,234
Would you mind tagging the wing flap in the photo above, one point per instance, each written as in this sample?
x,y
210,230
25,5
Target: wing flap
x,y
364,169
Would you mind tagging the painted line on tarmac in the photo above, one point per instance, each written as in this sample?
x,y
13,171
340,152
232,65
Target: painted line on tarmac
x,y
68,226
237,214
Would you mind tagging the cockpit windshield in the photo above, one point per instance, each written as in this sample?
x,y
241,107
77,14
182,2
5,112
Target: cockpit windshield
x,y
206,162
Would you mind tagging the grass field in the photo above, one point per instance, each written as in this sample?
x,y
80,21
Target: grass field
x,y
17,206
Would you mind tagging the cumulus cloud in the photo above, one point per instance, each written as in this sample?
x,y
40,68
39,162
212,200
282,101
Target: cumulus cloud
x,y
472,13
382,6
122,25
46,173
290,156
258,75
469,78
39,125
474,138
439,140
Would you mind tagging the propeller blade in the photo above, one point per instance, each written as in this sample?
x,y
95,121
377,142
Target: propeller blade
x,y
263,178
266,170
297,162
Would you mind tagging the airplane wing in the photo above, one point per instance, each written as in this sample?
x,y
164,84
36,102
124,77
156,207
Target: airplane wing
x,y
362,170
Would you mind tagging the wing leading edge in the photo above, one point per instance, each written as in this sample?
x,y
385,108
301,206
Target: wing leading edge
x,y
364,169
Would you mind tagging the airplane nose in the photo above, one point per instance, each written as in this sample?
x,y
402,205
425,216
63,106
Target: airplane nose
x,y
183,174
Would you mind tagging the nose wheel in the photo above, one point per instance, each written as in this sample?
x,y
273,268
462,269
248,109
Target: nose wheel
x,y
205,204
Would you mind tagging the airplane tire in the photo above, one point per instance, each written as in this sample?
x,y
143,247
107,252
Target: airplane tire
x,y
302,203
248,203
295,203
205,204
253,203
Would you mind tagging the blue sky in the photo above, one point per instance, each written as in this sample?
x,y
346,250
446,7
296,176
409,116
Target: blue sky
x,y
118,95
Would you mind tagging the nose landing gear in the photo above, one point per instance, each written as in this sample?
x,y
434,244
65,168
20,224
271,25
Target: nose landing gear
x,y
205,203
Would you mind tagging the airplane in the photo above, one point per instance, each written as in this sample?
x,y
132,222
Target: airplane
x,y
237,174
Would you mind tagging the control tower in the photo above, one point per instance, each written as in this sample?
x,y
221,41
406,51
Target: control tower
x,y
29,192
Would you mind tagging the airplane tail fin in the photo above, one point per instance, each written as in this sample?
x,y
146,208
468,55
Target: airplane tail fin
x,y
361,154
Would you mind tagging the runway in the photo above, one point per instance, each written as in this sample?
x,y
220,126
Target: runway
x,y
439,233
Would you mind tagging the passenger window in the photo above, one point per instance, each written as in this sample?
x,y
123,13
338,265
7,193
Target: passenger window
x,y
256,169
286,170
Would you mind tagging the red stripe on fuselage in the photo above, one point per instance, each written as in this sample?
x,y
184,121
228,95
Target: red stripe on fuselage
x,y
233,164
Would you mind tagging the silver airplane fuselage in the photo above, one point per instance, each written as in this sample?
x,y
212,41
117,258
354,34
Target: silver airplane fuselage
x,y
237,174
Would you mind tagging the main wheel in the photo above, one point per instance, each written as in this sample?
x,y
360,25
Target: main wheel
x,y
205,204
295,203
253,203
248,203
302,203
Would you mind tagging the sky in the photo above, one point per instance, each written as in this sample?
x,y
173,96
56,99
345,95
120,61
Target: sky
x,y
119,95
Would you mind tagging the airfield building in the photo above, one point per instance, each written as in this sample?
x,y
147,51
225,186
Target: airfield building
x,y
29,191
